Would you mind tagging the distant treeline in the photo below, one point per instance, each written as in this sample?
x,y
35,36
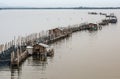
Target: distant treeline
x,y
60,8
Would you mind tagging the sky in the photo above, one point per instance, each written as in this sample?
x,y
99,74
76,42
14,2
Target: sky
x,y
61,3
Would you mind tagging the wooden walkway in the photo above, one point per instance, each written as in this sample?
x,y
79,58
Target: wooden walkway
x,y
14,53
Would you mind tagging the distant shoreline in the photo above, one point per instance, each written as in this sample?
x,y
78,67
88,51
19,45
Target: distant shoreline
x,y
10,8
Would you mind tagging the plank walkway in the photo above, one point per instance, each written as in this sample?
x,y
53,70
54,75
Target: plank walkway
x,y
14,53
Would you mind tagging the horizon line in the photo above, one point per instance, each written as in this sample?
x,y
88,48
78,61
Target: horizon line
x,y
19,7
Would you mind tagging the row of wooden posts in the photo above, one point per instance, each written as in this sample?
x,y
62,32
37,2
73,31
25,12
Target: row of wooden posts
x,y
15,50
20,41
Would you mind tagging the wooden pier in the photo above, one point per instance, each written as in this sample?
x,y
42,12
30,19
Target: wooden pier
x,y
18,58
16,51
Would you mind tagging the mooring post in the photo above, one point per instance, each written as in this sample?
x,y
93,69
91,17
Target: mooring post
x,y
12,58
18,58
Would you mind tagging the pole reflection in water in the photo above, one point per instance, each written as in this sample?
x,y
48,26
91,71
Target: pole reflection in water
x,y
33,65
16,72
39,61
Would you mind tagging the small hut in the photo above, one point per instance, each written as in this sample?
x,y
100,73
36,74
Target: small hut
x,y
42,49
29,50
56,32
92,26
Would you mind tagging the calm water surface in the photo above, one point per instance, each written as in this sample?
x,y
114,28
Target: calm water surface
x,y
83,55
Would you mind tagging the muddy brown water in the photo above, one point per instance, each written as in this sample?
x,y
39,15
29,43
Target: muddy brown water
x,y
83,55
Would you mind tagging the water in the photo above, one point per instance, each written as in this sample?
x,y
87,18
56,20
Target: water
x,y
83,55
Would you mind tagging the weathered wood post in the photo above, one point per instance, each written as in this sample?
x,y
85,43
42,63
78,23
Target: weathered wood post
x,y
12,58
18,57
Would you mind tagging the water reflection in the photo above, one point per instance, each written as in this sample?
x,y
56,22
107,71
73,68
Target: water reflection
x,y
58,43
33,64
16,72
92,33
39,61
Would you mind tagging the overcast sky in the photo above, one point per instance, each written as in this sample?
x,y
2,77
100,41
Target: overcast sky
x,y
61,3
